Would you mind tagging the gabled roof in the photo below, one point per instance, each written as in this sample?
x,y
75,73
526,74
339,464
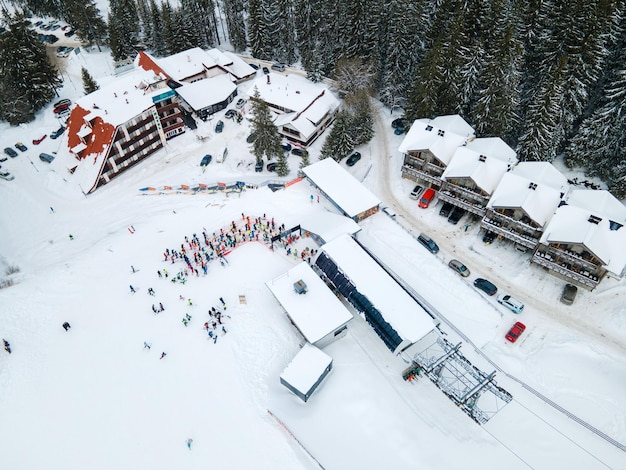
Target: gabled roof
x,y
186,64
442,142
515,191
483,160
542,173
602,234
206,92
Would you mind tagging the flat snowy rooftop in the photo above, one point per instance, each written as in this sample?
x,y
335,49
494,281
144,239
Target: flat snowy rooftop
x,y
343,188
316,313
306,368
396,306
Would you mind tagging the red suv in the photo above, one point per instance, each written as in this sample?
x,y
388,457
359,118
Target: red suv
x,y
427,198
515,332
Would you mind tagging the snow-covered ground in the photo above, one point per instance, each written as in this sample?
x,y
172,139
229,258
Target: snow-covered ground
x,y
95,397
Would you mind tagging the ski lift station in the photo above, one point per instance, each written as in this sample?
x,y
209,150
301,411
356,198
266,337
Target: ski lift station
x,y
343,190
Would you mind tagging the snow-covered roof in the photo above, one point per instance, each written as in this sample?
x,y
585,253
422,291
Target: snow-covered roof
x,y
306,368
327,225
516,191
236,66
482,160
599,202
207,92
316,313
341,187
542,173
442,142
187,63
397,307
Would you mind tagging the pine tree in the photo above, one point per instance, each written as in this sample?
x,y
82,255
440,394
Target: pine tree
x,y
361,123
86,20
123,22
260,44
268,140
282,167
338,143
28,79
157,41
89,84
304,162
234,12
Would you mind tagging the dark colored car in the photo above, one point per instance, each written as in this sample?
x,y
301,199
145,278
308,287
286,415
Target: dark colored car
x,y
206,160
271,166
258,167
251,138
515,332
428,243
58,133
488,237
254,66
399,131
485,286
219,127
70,33
46,157
266,70
62,102
10,152
398,122
456,215
39,140
352,159
569,294
298,151
230,114
286,146
21,147
446,209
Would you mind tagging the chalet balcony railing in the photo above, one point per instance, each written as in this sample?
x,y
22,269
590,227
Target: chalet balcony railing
x,y
466,193
582,278
469,206
423,165
510,233
419,174
571,257
499,218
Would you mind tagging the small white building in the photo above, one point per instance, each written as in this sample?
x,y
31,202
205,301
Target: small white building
x,y
324,226
311,306
342,189
306,371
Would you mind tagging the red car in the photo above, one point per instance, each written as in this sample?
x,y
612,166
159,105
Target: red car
x,y
515,332
62,107
40,140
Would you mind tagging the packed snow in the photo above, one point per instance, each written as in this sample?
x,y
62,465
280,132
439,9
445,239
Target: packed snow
x,y
103,395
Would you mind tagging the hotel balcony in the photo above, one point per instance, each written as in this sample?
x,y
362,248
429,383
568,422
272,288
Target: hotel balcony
x,y
470,206
417,174
581,277
512,229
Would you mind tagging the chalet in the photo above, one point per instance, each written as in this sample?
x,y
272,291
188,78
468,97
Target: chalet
x,y
118,126
429,146
584,241
342,189
524,201
208,96
302,110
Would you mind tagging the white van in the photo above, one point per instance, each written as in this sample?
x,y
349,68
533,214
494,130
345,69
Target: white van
x,y
279,67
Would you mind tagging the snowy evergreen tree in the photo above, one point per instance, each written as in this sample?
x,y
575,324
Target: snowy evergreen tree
x,y
353,75
157,41
86,20
304,162
28,79
361,122
267,139
199,19
145,20
282,166
260,44
124,28
89,84
235,20
338,143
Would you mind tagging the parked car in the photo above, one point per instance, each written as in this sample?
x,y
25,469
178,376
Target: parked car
x,y
206,160
251,138
240,103
427,198
459,267
352,159
5,175
219,127
428,243
515,332
446,209
258,167
298,151
278,66
70,33
398,122
417,192
254,66
389,211
266,70
286,146
488,237
485,286
39,140
61,108
10,152
57,133
399,131
230,114
271,166
511,303
456,215
46,157
569,294
21,147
